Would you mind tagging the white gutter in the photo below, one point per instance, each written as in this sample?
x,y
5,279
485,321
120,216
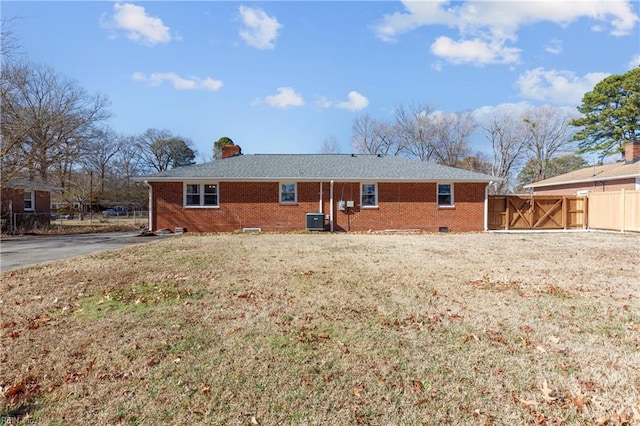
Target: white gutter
x,y
331,207
150,205
303,179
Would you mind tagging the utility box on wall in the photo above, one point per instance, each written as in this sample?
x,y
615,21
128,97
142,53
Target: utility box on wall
x,y
315,221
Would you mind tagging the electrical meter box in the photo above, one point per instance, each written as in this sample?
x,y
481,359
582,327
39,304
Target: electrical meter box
x,y
350,204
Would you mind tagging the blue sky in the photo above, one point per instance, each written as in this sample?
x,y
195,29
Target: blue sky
x,y
284,76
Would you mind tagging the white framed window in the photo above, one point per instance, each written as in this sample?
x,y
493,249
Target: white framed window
x,y
201,194
288,192
445,195
369,195
29,200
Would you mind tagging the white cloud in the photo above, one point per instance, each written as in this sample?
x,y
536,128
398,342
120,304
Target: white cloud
x,y
634,62
554,47
490,25
179,83
139,26
557,87
260,30
285,98
476,51
355,102
485,114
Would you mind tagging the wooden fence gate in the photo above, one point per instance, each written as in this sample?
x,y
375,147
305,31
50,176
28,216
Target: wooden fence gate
x,y
518,212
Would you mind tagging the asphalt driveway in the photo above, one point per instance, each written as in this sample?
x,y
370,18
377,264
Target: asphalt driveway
x,y
35,249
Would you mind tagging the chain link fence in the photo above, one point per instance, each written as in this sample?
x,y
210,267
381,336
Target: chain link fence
x,y
24,223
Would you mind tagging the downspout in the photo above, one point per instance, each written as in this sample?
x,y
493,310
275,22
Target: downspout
x,y
150,205
486,206
331,206
320,209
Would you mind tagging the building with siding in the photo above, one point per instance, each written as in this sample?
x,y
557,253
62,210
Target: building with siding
x,y
605,177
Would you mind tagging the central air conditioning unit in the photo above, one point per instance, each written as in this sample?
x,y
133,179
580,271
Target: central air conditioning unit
x,y
315,221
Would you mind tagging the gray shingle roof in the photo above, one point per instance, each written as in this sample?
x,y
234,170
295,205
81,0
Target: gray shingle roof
x,y
620,170
30,185
319,167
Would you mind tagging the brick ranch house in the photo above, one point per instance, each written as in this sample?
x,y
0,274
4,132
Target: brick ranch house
x,y
26,203
606,177
342,192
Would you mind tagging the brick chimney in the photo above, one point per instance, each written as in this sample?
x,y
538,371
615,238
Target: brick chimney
x,y
231,151
632,152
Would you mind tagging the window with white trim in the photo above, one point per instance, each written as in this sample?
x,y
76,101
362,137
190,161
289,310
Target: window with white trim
x,y
369,195
445,195
29,201
288,192
201,195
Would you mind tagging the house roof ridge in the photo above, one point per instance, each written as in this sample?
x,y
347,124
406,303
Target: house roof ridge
x,y
323,167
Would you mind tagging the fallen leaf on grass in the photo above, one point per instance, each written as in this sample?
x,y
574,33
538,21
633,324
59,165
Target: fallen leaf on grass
x,y
528,403
247,295
421,402
10,324
15,390
547,392
580,402
205,389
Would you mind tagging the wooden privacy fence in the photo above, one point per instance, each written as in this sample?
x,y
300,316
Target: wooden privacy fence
x,y
520,212
611,210
615,210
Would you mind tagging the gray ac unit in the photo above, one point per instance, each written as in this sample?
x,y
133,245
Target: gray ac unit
x,y
315,221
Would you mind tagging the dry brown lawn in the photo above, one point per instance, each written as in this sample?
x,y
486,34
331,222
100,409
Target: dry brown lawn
x,y
271,329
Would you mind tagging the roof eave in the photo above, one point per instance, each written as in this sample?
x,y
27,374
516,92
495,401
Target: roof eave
x,y
309,179
591,179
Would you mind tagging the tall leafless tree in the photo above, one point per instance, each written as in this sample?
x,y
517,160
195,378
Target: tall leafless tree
x,y
127,164
47,118
415,130
330,146
370,136
507,135
452,132
100,156
160,150
549,134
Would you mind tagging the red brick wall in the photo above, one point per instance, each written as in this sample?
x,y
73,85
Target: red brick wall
x,y
255,205
16,196
572,189
632,152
